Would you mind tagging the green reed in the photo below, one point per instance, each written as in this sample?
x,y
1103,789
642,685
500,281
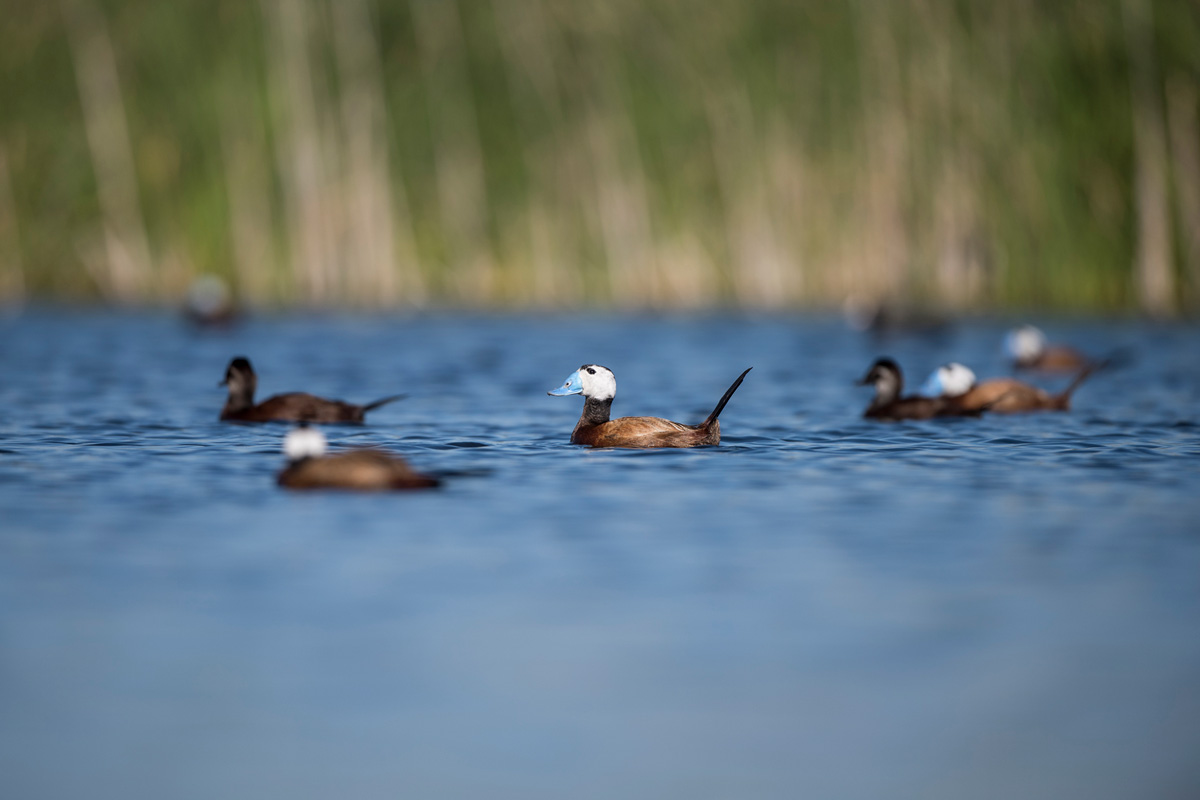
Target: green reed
x,y
636,153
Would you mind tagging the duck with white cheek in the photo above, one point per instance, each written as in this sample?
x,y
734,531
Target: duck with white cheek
x,y
598,386
363,469
997,395
1027,347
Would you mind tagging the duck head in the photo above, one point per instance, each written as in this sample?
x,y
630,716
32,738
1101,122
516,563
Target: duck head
x,y
304,442
242,383
1024,344
591,380
240,377
887,379
950,380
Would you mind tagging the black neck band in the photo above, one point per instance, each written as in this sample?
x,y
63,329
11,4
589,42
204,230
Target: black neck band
x,y
596,412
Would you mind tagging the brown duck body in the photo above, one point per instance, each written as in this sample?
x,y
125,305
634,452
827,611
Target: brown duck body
x,y
294,407
890,404
290,407
919,408
642,432
1055,358
1011,396
360,470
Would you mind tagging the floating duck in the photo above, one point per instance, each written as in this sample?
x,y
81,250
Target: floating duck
x,y
598,386
997,395
362,469
883,318
209,303
1028,349
290,407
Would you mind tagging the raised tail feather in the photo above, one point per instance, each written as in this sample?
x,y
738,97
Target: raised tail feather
x,y
716,412
1063,398
383,402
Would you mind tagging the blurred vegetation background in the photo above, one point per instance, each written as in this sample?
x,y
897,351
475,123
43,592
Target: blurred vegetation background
x,y
966,155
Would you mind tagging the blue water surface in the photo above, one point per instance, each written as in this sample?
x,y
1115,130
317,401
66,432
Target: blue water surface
x,y
822,606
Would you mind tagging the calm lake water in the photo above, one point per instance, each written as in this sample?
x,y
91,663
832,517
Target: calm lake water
x,y
821,606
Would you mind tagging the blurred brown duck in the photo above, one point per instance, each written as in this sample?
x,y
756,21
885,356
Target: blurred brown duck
x,y
598,386
290,407
1028,349
889,404
363,469
998,395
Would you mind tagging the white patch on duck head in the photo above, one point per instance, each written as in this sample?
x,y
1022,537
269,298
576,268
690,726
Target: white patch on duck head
x,y
950,380
591,380
1025,343
304,442
956,379
599,383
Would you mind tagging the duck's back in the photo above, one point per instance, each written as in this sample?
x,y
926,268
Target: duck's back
x,y
646,432
907,408
299,407
921,408
1060,358
367,470
1007,395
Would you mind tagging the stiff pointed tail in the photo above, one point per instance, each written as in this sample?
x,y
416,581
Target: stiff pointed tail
x,y
383,402
716,412
1063,399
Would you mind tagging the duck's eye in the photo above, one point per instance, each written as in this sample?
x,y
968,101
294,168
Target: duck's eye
x,y
591,371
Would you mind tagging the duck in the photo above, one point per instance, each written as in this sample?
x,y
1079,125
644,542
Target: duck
x,y
889,404
598,385
998,395
1027,348
883,318
361,469
290,407
209,303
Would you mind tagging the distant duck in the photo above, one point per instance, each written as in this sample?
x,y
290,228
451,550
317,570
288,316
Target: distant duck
x,y
998,395
889,404
883,319
209,302
364,469
290,407
1028,349
598,386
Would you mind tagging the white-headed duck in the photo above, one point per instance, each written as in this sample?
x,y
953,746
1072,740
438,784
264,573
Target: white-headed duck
x,y
209,303
290,407
598,386
889,403
363,469
998,395
1027,347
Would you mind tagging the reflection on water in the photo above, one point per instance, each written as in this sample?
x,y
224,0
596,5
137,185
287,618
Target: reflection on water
x,y
821,606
